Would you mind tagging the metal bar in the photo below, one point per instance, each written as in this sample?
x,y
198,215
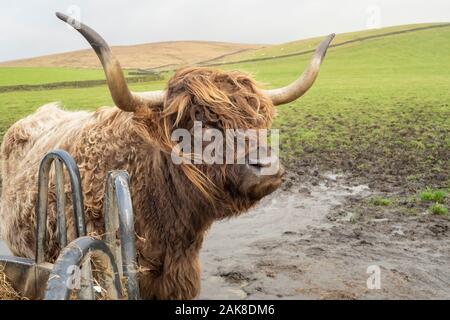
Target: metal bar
x,y
118,213
111,217
60,203
127,236
41,215
60,283
87,289
41,209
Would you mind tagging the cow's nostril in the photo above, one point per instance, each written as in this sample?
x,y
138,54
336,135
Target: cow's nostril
x,y
262,163
258,165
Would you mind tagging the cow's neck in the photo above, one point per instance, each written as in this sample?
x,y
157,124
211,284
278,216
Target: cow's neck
x,y
170,224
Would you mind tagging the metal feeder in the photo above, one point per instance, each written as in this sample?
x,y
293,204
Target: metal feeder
x,y
71,275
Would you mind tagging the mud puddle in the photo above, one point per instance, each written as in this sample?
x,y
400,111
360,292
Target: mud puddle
x,y
307,243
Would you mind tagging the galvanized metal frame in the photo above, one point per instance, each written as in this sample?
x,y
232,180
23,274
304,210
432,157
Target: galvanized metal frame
x,y
118,215
32,276
78,253
58,156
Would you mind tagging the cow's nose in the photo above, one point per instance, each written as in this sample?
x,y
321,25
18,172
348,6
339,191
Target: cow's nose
x,y
264,162
266,166
261,177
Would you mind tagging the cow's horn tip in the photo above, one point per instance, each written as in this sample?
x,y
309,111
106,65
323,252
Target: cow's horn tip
x,y
61,16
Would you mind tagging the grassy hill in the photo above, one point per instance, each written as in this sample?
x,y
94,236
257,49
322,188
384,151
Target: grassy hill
x,y
150,55
379,109
300,46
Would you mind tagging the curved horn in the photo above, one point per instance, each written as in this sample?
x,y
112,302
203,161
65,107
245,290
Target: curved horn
x,y
299,87
122,96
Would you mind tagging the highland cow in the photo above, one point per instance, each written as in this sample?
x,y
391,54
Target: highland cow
x,y
174,204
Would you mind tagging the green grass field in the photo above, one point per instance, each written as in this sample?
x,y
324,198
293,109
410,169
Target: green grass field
x,y
20,76
10,76
380,107
16,105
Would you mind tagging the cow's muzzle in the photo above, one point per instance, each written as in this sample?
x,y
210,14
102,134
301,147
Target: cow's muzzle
x,y
261,178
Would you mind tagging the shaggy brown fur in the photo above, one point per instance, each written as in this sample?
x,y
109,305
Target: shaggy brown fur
x,y
171,216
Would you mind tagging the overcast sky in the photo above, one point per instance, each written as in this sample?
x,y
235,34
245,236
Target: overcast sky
x,y
29,28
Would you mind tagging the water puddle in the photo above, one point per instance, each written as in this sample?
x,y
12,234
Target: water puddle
x,y
239,243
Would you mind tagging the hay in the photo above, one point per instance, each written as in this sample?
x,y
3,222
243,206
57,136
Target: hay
x,y
7,292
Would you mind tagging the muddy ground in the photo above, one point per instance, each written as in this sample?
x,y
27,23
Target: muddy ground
x,y
316,239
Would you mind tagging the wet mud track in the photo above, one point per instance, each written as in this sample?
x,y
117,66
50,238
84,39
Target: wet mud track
x,y
317,241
